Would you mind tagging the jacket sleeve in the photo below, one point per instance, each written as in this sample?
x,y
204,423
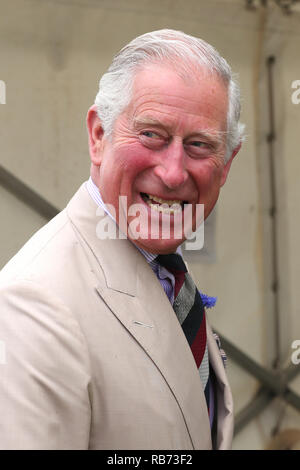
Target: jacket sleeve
x,y
44,372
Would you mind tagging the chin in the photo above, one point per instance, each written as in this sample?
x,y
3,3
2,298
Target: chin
x,y
160,247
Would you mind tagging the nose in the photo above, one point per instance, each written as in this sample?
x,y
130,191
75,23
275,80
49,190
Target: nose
x,y
171,169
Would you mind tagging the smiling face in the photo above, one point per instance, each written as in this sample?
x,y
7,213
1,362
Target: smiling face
x,y
168,146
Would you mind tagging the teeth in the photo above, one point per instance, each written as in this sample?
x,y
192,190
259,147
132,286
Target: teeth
x,y
163,201
164,209
165,206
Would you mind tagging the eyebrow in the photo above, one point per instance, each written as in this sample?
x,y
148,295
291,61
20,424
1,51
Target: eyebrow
x,y
137,122
216,137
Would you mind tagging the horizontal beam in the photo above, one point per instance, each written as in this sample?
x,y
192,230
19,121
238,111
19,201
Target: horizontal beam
x,y
261,400
276,381
292,398
290,372
274,384
27,195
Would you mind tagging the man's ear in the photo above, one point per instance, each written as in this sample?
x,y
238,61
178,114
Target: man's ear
x,y
228,164
95,133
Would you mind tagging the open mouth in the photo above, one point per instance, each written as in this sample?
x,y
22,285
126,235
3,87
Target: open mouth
x,y
163,205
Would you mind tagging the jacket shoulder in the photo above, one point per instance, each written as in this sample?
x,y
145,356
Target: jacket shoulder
x,y
47,243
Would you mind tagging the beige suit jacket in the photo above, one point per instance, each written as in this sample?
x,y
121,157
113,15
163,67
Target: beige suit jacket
x,y
79,369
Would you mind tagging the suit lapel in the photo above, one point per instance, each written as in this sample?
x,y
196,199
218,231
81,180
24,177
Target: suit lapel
x,y
136,298
164,342
224,397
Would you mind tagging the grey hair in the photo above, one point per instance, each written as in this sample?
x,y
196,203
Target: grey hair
x,y
183,52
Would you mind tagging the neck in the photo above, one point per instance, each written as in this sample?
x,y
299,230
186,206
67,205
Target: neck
x,y
95,175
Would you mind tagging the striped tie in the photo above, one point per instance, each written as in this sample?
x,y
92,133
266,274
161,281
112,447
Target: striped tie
x,y
190,312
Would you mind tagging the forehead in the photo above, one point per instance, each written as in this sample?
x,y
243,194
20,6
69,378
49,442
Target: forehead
x,y
160,94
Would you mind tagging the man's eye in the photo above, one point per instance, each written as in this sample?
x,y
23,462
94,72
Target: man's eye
x,y
197,143
152,140
151,134
198,148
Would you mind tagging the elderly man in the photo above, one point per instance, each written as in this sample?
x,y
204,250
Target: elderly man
x,y
106,340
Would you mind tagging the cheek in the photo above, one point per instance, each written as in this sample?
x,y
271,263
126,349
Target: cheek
x,y
215,170
135,157
208,179
215,177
